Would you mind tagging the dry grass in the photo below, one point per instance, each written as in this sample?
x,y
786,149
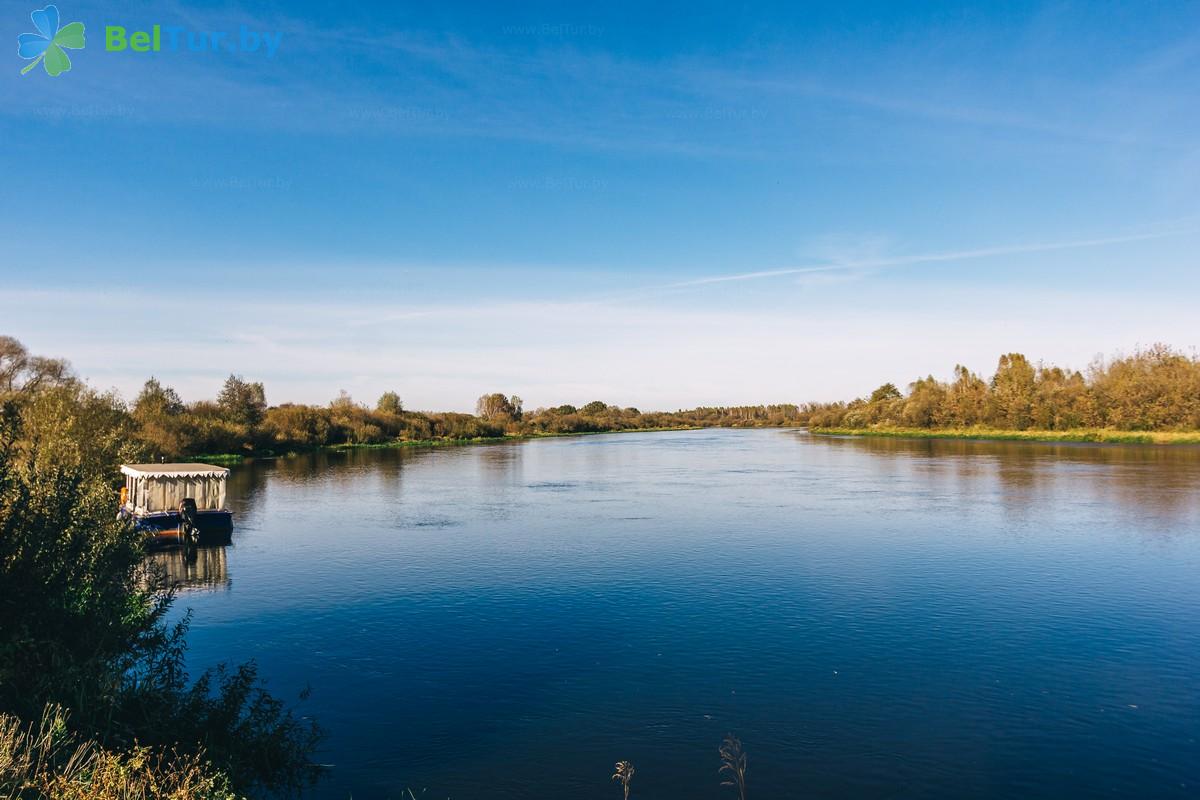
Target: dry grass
x,y
44,761
733,762
624,774
733,767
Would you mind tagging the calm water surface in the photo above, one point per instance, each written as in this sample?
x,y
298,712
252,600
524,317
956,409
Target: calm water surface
x,y
874,618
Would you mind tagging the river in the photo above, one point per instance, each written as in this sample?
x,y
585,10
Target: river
x,y
872,617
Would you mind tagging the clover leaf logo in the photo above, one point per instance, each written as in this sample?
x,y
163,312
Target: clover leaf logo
x,y
47,45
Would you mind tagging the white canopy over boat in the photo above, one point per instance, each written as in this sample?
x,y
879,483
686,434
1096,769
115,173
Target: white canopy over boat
x,y
155,488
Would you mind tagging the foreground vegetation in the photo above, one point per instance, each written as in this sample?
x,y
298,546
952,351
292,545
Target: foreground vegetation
x,y
84,636
1152,396
45,759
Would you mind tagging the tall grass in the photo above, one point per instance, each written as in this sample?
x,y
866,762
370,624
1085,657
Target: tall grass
x,y
733,764
733,767
44,760
624,774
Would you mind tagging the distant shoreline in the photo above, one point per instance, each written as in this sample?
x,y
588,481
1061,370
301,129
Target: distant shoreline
x,y
230,459
1092,435
1081,436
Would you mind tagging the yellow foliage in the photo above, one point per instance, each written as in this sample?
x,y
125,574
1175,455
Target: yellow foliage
x,y
43,760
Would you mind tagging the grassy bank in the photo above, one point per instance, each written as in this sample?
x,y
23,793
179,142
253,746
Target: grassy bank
x,y
1101,435
232,459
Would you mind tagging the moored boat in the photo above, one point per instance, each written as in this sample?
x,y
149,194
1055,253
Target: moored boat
x,y
177,503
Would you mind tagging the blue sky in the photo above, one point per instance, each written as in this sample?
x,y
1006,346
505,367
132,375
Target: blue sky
x,y
659,206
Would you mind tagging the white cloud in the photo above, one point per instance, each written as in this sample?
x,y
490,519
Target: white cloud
x,y
650,357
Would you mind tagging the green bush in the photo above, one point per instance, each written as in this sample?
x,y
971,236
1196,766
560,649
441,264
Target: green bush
x,y
83,617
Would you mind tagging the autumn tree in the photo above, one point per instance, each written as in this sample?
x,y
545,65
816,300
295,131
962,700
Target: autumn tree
x,y
242,402
966,398
1013,392
498,406
1152,389
926,403
354,423
157,400
22,372
1061,399
389,403
886,392
161,424
291,425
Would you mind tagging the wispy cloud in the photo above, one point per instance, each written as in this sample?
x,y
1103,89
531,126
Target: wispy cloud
x,y
925,258
549,353
565,96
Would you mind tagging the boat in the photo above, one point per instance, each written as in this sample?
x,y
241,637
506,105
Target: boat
x,y
177,504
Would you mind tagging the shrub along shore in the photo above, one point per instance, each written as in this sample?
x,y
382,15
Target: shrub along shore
x,y
1095,435
95,697
1151,396
241,423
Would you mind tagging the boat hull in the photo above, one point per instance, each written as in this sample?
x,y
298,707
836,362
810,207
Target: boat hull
x,y
162,529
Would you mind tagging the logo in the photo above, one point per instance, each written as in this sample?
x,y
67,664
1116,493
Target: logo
x,y
176,39
46,46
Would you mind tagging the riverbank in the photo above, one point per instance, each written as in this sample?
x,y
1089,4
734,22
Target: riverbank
x,y
1096,435
233,459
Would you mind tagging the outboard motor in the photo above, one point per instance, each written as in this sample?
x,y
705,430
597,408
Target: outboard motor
x,y
189,524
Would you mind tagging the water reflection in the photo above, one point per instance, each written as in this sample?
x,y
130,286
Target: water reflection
x,y
1154,486
203,568
1171,455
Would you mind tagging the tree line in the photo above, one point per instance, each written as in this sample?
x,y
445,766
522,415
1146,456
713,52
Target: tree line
x,y
239,420
1154,389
